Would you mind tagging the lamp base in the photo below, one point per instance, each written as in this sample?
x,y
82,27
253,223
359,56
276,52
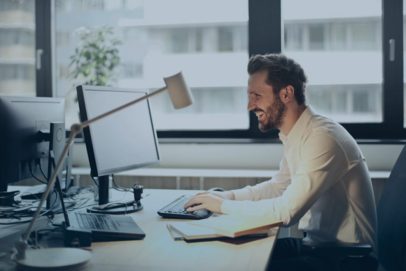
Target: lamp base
x,y
54,259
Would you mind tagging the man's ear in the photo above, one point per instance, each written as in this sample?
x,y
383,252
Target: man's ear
x,y
287,94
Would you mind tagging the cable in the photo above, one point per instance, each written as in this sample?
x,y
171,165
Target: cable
x,y
84,200
47,212
66,176
40,168
54,191
38,235
28,192
82,205
32,174
96,183
6,195
27,221
119,188
68,206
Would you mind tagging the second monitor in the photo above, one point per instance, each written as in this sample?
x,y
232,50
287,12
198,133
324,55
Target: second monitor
x,y
124,141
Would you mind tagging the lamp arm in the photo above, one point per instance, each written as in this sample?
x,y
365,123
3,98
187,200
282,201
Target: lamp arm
x,y
21,245
50,184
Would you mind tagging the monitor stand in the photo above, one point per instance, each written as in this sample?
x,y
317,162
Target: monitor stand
x,y
57,142
113,208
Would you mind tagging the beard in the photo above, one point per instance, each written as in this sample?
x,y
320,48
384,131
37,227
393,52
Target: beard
x,y
275,114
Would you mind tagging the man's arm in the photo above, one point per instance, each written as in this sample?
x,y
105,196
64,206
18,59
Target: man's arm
x,y
211,201
273,188
323,164
268,189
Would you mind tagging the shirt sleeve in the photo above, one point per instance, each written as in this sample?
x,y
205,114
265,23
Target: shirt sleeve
x,y
265,190
323,162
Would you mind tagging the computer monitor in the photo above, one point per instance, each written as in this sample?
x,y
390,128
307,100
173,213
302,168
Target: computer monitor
x,y
120,142
25,138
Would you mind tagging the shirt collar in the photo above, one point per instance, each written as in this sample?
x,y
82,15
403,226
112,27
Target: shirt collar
x,y
298,129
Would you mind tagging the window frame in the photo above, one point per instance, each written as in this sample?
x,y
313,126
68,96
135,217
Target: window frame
x,y
43,41
265,17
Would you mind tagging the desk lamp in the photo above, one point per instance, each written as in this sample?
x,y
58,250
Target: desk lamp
x,y
51,259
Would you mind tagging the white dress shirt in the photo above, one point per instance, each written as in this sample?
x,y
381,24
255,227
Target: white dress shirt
x,y
323,183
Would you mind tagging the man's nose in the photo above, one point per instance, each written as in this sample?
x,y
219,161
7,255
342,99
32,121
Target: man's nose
x,y
251,105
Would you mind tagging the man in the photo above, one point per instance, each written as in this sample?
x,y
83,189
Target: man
x,y
323,182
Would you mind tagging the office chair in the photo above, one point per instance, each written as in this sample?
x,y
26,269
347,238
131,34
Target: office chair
x,y
391,227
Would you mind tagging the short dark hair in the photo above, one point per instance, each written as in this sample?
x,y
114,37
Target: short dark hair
x,y
282,72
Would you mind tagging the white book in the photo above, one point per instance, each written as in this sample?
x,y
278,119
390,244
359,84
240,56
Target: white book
x,y
194,232
174,233
237,225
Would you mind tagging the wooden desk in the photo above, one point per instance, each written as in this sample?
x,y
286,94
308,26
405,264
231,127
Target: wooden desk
x,y
158,251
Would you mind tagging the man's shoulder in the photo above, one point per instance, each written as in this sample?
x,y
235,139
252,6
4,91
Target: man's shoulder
x,y
322,124
324,129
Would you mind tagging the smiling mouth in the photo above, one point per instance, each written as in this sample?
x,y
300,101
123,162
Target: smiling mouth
x,y
259,114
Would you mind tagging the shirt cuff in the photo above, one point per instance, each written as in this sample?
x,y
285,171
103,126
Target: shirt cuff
x,y
241,194
229,207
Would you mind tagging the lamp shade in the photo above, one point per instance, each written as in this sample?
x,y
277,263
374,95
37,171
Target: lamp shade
x,y
178,91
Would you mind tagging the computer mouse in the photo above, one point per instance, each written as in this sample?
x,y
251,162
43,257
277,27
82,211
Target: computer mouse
x,y
216,189
202,213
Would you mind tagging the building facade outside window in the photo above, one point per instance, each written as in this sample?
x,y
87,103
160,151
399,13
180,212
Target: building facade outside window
x,y
342,54
211,51
17,48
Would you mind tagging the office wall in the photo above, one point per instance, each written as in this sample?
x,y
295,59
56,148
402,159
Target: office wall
x,y
243,156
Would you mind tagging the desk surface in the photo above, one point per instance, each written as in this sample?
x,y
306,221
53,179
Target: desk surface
x,y
158,251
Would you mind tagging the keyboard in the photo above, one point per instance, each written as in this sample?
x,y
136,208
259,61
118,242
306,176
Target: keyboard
x,y
95,222
175,210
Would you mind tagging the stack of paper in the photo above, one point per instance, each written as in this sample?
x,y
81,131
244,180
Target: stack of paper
x,y
223,226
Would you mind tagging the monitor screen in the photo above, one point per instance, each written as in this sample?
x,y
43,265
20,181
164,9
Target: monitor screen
x,y
120,142
21,118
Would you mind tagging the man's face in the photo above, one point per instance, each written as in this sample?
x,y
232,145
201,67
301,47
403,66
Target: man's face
x,y
264,103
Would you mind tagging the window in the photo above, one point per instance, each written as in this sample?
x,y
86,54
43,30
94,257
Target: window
x,y
293,37
63,72
207,39
344,46
199,40
225,39
179,40
338,36
211,51
17,48
365,36
91,5
338,52
63,38
134,34
133,4
63,5
132,70
316,37
26,7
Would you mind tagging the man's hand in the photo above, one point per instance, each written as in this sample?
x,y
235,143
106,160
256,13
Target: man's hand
x,y
209,200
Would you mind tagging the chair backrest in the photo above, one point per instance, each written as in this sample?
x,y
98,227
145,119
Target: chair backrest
x,y
392,218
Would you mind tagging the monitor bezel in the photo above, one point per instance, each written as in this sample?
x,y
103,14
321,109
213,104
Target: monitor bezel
x,y
95,171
